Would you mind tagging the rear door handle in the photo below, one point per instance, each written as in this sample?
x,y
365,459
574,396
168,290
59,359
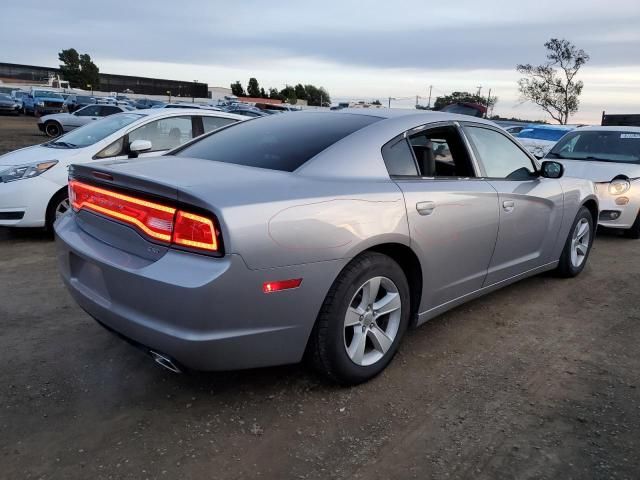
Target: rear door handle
x,y
425,208
508,205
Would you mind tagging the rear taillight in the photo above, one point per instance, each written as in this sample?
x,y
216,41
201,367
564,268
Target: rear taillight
x,y
159,222
194,231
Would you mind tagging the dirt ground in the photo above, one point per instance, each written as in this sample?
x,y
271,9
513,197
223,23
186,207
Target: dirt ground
x,y
538,380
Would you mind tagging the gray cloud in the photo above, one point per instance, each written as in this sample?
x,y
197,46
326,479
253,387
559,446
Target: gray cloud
x,y
192,33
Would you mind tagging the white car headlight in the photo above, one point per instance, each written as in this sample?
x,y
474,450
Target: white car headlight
x,y
29,170
40,103
618,186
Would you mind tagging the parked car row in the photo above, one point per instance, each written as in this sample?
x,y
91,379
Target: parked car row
x,y
254,243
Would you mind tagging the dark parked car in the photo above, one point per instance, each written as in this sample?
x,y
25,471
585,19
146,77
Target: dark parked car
x,y
246,111
147,103
76,102
8,105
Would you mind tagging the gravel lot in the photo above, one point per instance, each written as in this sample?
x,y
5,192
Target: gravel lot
x,y
539,380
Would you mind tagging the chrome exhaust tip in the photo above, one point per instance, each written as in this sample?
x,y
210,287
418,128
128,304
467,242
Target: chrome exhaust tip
x,y
164,361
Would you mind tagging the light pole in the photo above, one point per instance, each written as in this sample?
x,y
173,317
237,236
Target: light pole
x,y
169,93
193,93
91,87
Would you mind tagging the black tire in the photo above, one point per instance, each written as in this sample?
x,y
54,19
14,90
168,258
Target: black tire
x,y
56,200
566,268
52,129
634,231
326,349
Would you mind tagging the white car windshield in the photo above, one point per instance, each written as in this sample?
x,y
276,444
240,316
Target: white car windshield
x,y
603,145
94,131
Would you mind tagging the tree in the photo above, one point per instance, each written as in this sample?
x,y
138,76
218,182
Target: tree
x,y
237,90
89,70
464,97
288,93
376,102
552,86
301,93
263,94
253,88
317,97
273,93
78,70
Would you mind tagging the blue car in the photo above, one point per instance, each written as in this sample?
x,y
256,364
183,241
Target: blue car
x,y
42,102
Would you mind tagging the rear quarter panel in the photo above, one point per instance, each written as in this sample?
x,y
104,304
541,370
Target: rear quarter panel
x,y
295,220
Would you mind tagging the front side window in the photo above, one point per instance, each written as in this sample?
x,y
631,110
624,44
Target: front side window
x,y
109,110
603,145
90,111
164,134
213,123
500,156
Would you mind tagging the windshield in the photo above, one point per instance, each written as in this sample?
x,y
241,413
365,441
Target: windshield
x,y
94,131
5,97
549,134
278,142
46,94
608,146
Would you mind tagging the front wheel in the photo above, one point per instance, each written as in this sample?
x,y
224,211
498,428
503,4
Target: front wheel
x,y
58,206
362,320
52,129
578,245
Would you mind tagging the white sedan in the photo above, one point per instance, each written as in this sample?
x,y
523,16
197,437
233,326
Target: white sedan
x,y
33,180
610,157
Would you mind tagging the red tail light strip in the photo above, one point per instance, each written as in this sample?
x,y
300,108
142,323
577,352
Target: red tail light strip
x,y
160,222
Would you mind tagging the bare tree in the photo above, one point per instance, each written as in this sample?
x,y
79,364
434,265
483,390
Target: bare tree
x,y
552,85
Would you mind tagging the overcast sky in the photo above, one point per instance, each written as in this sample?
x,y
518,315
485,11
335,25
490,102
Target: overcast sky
x,y
357,50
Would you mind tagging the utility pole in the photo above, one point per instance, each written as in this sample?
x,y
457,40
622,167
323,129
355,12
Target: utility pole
x,y
389,102
486,115
416,101
479,89
430,88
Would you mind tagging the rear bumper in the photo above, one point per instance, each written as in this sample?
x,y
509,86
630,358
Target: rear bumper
x,y
207,313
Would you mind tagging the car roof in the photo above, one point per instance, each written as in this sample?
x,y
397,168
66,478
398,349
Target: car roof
x,y
168,112
551,127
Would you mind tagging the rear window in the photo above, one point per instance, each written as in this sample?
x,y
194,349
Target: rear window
x,y
277,142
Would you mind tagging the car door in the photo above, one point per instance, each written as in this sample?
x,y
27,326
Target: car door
x,y
452,214
530,205
82,117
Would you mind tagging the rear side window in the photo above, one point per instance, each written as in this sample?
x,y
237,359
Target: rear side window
x,y
398,158
277,142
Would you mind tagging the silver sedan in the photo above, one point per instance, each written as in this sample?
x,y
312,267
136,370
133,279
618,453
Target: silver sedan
x,y
56,124
318,233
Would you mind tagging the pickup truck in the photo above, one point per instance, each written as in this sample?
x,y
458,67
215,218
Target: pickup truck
x,y
41,102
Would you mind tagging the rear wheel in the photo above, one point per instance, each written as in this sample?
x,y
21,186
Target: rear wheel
x,y
362,320
58,206
578,245
52,129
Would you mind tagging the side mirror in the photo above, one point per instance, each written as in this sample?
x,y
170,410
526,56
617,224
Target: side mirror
x,y
551,169
140,146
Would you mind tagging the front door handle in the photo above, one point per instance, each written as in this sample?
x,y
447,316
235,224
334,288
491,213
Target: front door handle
x,y
508,205
425,208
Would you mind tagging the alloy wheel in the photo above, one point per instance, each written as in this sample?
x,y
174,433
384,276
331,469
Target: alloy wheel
x,y
580,242
372,321
62,208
